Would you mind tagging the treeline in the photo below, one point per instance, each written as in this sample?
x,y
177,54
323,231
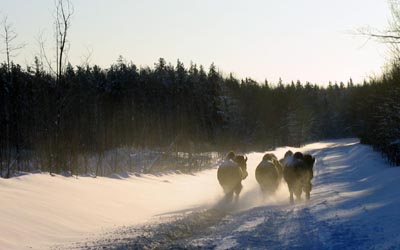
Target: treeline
x,y
376,108
50,123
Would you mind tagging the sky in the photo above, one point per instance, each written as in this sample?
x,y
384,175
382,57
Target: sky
x,y
306,40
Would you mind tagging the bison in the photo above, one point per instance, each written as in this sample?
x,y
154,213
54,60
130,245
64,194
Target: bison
x,y
269,174
230,174
298,172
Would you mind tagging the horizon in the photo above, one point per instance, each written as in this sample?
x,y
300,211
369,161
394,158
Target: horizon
x,y
250,40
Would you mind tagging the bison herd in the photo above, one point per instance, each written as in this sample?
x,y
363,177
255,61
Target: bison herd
x,y
296,169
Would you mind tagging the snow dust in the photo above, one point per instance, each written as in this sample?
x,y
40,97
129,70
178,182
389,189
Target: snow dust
x,y
39,211
354,204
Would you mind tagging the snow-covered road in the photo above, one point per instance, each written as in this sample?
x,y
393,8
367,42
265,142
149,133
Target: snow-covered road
x,y
354,205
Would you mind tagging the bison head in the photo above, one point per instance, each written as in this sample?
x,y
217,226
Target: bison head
x,y
242,160
289,153
230,156
309,160
298,155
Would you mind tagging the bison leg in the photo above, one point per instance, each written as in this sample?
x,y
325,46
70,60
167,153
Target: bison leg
x,y
297,193
290,187
264,192
307,189
229,196
237,190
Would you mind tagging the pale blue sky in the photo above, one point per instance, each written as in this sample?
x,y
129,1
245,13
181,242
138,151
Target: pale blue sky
x,y
308,40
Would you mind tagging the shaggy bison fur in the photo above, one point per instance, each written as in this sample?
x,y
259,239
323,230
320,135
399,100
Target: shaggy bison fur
x,y
269,174
298,172
230,174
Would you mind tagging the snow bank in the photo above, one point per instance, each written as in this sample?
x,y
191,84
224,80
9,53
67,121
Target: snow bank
x,y
38,211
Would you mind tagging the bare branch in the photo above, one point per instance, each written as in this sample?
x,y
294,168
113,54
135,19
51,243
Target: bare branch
x,y
42,52
381,36
9,36
391,35
85,59
64,12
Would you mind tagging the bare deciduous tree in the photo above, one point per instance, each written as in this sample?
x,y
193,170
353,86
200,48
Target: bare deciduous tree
x,y
390,35
10,49
64,11
9,36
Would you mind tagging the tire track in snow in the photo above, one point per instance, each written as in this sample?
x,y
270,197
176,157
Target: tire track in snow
x,y
281,227
168,233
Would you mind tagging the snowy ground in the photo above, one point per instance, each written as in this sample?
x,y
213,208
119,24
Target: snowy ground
x,y
354,205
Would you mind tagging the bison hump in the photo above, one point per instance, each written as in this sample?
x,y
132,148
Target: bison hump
x,y
289,162
228,164
266,164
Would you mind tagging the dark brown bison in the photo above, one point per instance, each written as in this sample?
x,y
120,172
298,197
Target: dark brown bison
x,y
230,174
298,172
269,174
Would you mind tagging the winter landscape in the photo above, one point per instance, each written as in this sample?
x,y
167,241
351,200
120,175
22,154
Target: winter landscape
x,y
354,205
199,125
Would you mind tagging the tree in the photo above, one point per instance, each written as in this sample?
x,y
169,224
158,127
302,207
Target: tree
x,y
64,12
9,103
62,21
390,35
9,35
